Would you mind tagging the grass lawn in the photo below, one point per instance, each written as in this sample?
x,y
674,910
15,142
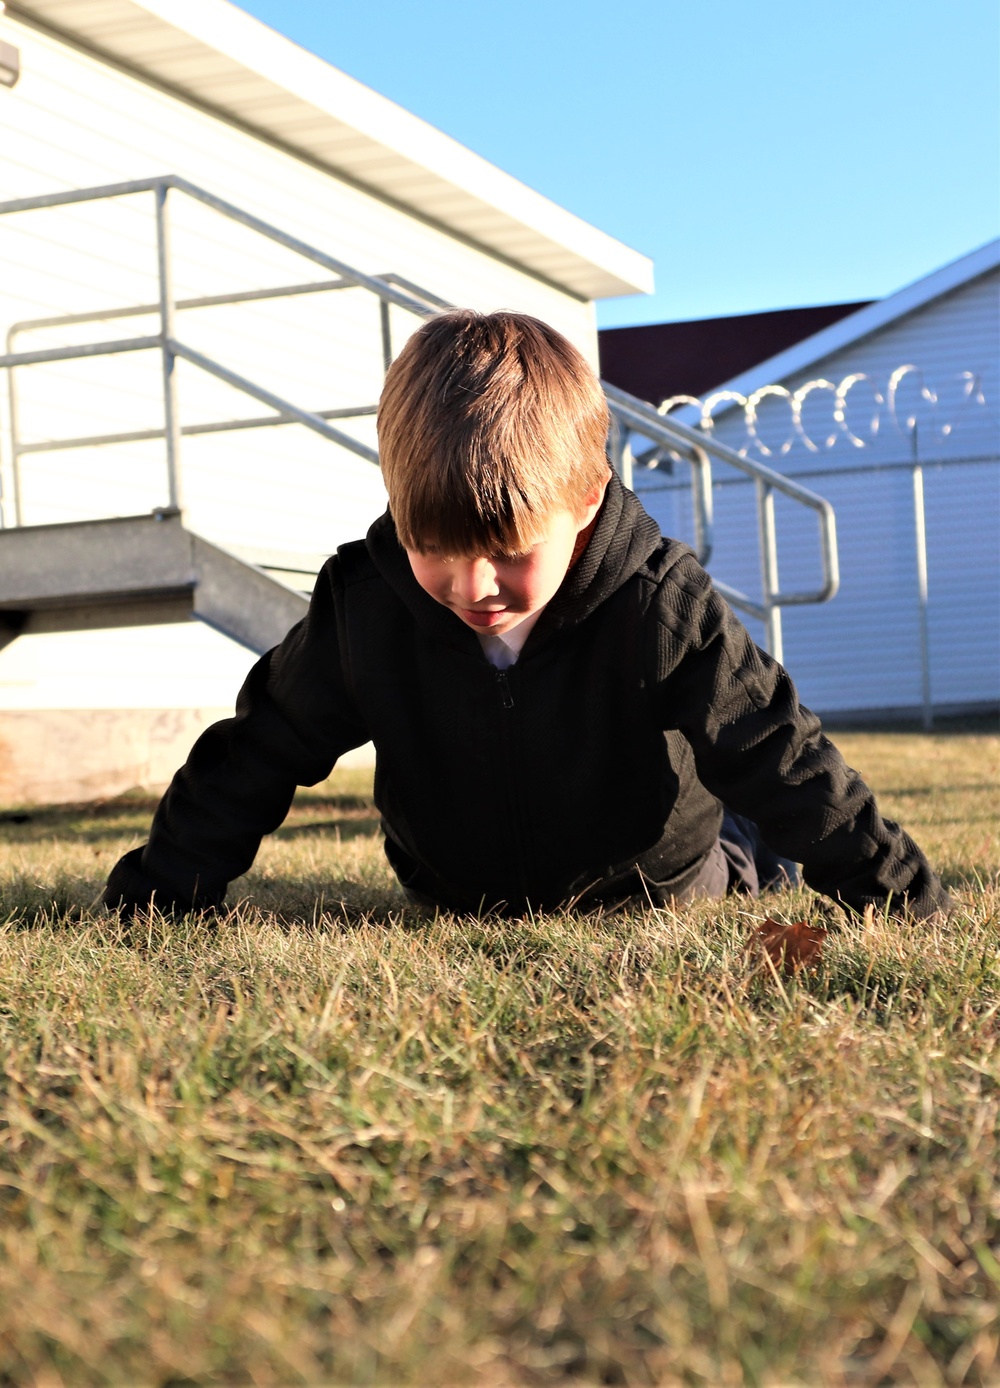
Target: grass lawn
x,y
323,1141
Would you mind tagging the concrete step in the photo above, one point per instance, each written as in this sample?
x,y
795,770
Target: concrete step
x,y
135,571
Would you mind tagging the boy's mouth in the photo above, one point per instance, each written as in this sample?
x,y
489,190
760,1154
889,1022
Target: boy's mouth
x,y
483,619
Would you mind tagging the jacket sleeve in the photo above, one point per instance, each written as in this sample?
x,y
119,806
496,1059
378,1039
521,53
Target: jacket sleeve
x,y
766,756
294,717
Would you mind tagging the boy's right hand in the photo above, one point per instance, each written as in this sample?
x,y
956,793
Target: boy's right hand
x,y
131,889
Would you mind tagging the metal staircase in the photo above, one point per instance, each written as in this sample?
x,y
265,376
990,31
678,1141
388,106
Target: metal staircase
x,y
135,571
139,569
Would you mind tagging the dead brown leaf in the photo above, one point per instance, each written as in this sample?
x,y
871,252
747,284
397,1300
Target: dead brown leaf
x,y
789,947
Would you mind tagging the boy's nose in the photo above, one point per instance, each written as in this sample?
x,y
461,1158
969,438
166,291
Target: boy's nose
x,y
474,581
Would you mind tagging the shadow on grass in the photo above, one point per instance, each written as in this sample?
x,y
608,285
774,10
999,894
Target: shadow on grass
x,y
342,906
342,829
960,725
124,814
977,878
102,821
935,793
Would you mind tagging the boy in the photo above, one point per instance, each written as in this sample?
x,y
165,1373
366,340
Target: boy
x,y
559,700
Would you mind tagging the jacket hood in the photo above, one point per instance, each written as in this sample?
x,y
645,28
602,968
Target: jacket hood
x,y
624,538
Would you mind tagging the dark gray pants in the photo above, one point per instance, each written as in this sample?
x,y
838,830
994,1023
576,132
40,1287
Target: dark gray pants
x,y
752,866
738,863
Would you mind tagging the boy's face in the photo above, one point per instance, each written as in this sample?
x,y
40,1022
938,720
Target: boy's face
x,y
493,593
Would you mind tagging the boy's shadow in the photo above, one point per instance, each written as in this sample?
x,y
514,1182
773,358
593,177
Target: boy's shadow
x,y
343,829
320,905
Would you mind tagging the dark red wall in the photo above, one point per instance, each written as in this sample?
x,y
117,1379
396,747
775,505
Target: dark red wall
x,y
664,359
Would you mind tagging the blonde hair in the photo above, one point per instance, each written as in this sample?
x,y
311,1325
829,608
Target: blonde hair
x,y
488,424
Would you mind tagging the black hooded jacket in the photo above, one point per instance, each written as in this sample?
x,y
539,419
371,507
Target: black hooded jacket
x,y
638,703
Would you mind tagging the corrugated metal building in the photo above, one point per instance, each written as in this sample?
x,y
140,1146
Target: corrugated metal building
x,y
113,90
863,653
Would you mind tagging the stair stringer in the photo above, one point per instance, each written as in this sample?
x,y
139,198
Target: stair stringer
x,y
135,571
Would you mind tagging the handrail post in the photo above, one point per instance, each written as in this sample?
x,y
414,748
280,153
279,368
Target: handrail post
x,y
703,505
620,448
385,325
171,415
769,568
920,540
15,440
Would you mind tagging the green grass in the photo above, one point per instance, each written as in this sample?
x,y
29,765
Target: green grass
x,y
325,1141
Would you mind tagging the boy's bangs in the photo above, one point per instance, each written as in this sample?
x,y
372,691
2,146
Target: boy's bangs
x,y
488,425
466,520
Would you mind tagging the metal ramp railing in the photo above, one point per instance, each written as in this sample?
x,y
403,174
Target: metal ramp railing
x,y
632,418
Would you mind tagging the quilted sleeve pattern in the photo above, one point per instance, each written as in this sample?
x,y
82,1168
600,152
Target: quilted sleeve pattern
x,y
294,717
765,755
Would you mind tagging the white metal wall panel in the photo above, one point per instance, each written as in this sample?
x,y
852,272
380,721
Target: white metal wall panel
x,y
862,650
72,122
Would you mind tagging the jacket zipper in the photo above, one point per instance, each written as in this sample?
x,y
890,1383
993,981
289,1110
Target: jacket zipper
x,y
507,703
506,697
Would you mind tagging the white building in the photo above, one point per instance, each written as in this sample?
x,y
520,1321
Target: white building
x,y
109,91
914,378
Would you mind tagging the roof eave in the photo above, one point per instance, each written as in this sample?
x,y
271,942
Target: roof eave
x,y
216,55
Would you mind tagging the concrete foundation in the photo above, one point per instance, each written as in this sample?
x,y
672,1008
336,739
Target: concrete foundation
x,y
56,756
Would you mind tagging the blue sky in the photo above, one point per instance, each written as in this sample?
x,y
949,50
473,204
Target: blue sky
x,y
765,154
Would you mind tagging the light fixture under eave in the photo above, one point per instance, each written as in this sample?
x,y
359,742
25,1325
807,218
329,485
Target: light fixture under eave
x,y
10,65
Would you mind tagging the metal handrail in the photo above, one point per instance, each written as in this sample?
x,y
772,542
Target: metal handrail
x,y
163,182
629,414
390,290
671,435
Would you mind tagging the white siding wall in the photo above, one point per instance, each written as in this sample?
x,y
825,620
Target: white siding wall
x,y
73,121
862,650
